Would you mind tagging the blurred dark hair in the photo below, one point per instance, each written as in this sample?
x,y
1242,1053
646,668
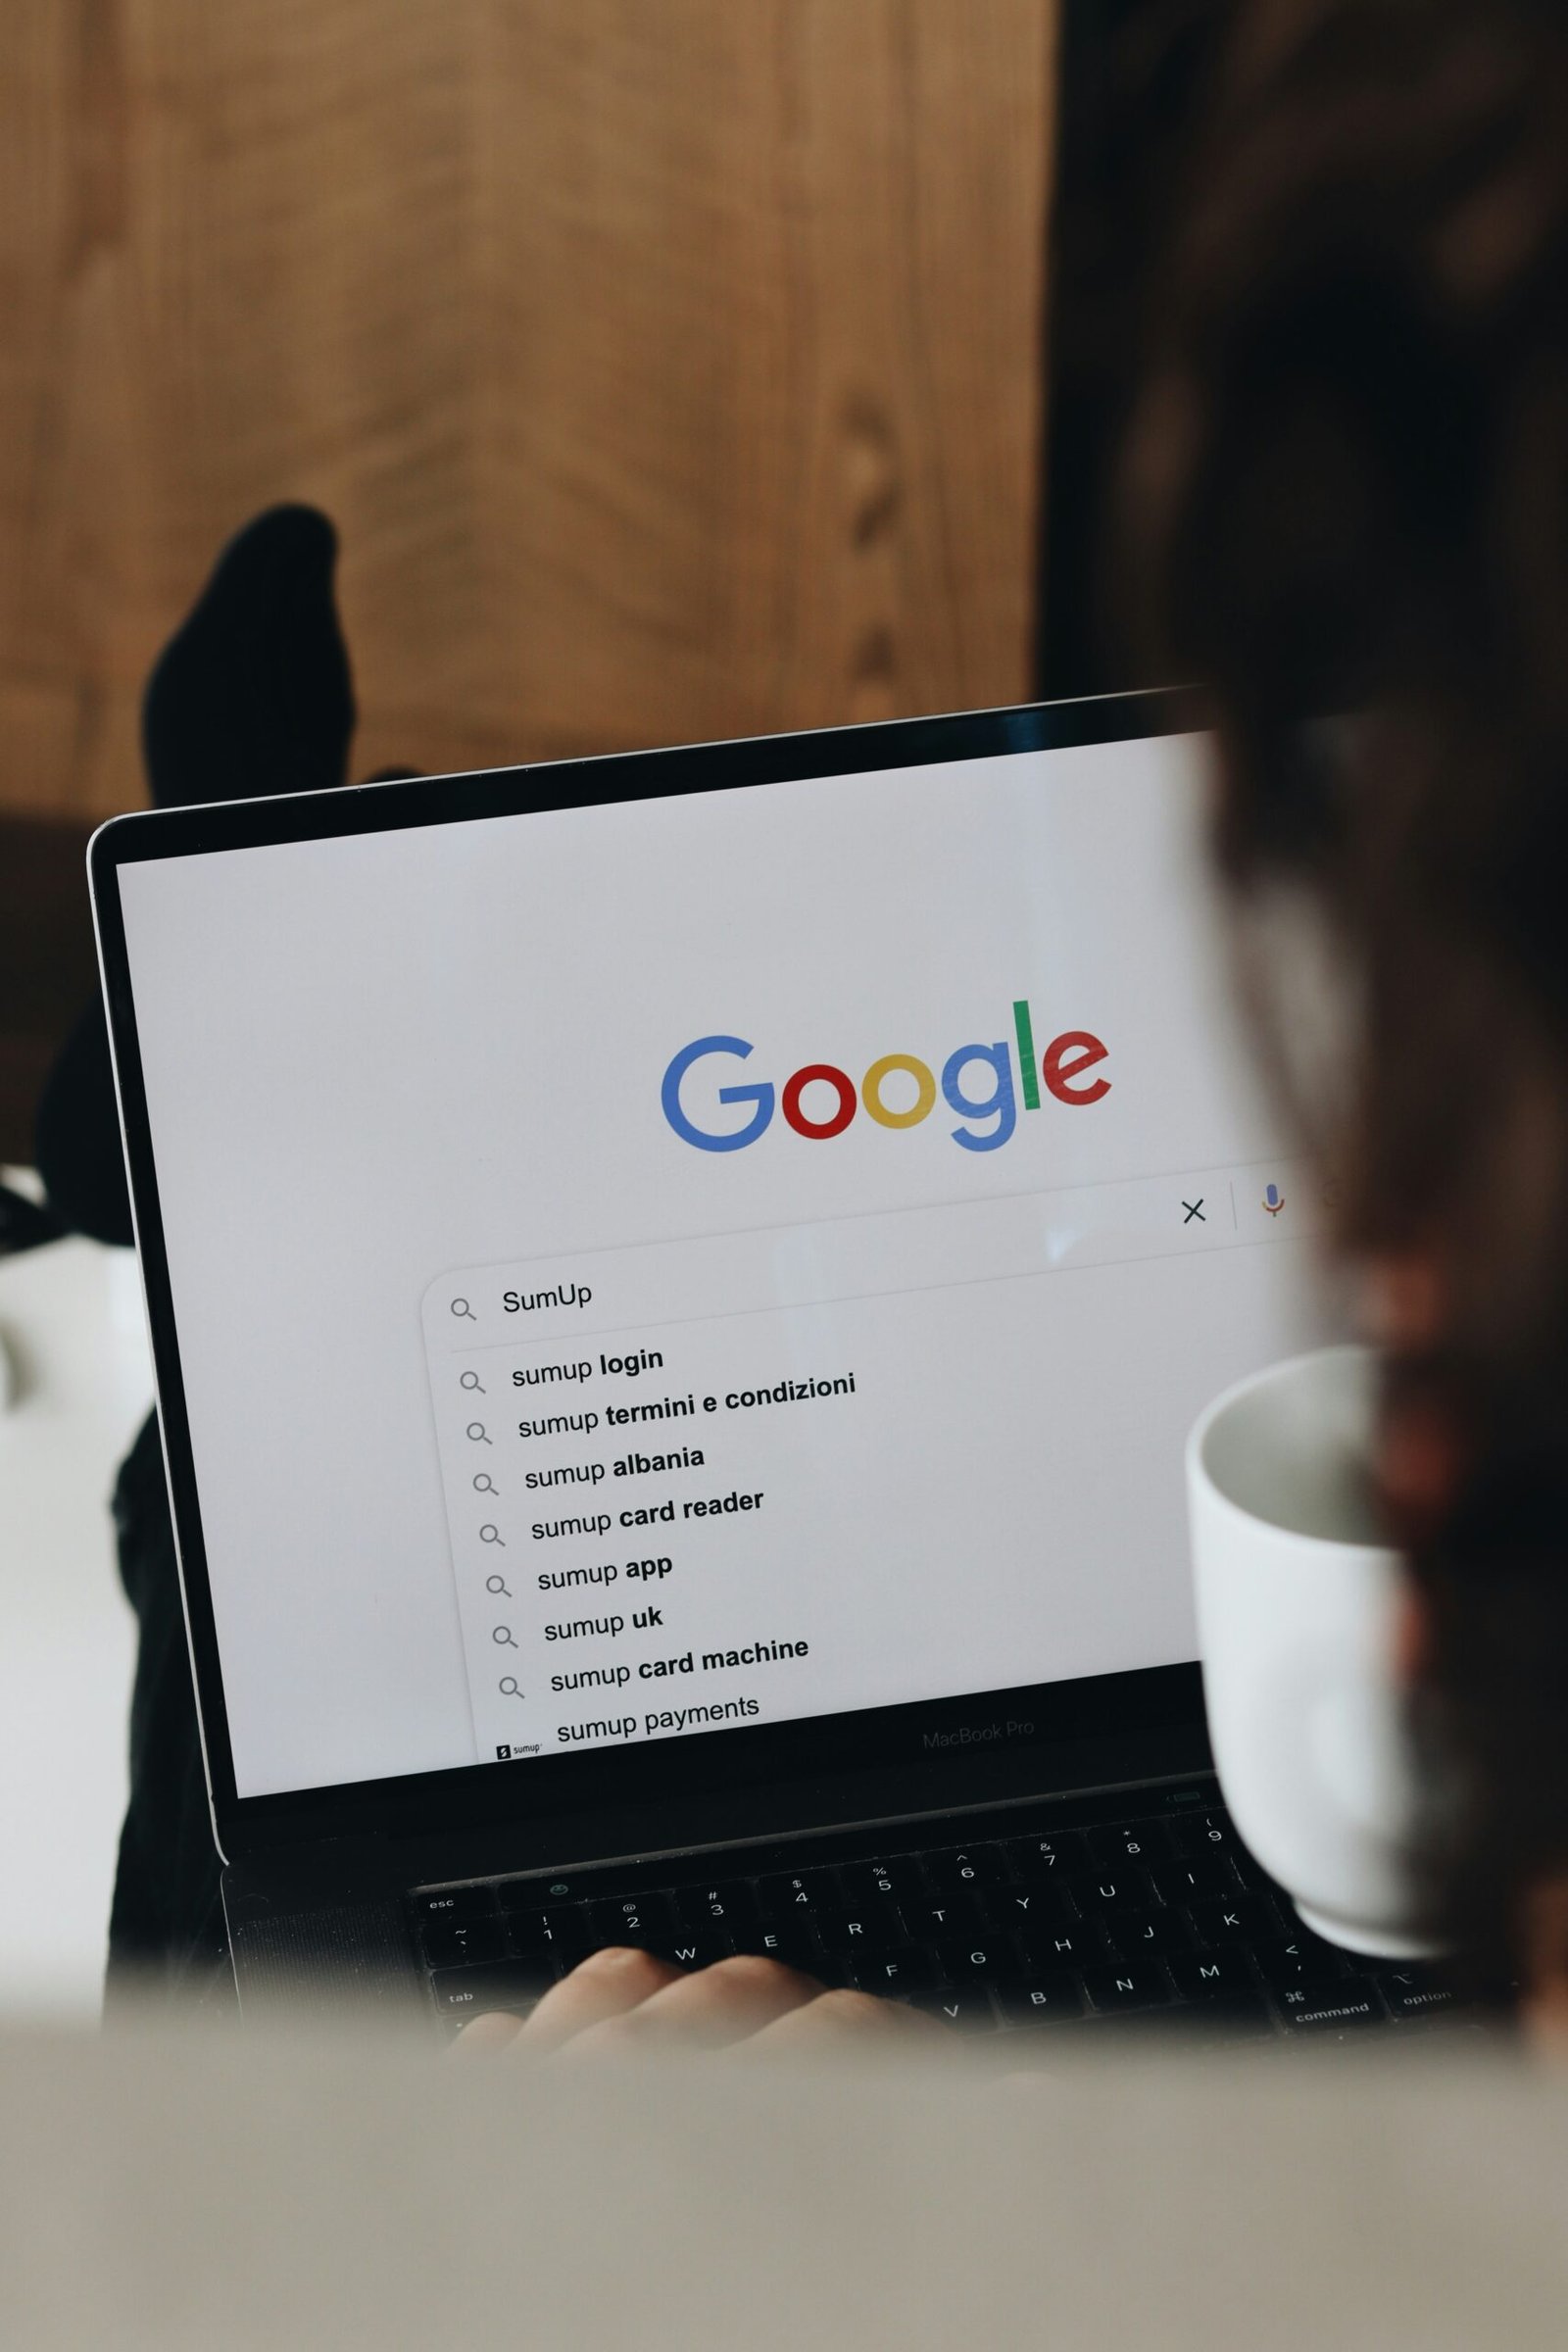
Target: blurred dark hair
x,y
1346,486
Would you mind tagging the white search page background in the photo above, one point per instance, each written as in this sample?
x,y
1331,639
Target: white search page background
x,y
376,1061
649,1455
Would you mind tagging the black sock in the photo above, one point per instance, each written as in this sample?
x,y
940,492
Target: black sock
x,y
252,695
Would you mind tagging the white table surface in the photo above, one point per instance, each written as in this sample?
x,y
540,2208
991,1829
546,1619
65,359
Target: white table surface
x,y
72,1331
178,2188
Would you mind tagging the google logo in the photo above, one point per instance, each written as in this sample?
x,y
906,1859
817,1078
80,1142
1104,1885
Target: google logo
x,y
991,1113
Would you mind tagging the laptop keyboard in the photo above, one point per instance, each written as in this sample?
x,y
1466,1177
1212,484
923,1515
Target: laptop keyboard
x,y
1163,1919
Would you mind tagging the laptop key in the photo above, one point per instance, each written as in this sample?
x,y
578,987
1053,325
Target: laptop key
x,y
912,1970
1145,1986
940,1915
559,1933
692,1947
1146,1935
1299,1959
1041,2000
1123,1889
800,1891
1224,2017
1200,1976
1204,1833
1216,1921
967,2008
439,1906
1138,1841
1009,1907
873,1928
511,1984
536,1894
724,1905
630,1919
960,1960
1039,1859
456,1942
966,1869
902,1878
1048,1948
1351,2003
790,1941
1414,1993
1195,1876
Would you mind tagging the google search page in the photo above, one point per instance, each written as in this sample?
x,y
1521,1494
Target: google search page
x,y
714,1261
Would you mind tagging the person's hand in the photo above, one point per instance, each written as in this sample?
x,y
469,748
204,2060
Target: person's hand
x,y
618,2002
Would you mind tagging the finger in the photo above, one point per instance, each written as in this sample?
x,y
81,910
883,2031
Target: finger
x,y
707,2009
604,1986
851,2017
483,2035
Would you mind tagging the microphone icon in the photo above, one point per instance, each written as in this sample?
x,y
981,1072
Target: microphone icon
x,y
1273,1200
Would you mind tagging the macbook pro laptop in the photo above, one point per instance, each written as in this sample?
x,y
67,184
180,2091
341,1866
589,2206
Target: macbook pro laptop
x,y
679,1284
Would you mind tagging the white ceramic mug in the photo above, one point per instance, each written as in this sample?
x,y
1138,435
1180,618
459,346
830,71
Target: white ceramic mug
x,y
1296,1604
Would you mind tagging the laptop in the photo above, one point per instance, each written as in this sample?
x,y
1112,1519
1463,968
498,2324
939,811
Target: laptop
x,y
677,1285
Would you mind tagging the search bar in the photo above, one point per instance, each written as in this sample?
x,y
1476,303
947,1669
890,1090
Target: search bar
x,y
1021,1235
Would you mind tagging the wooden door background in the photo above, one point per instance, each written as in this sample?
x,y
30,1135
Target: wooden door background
x,y
671,369
670,366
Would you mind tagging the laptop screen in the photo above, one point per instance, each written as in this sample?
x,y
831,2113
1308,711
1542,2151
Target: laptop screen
x,y
705,1261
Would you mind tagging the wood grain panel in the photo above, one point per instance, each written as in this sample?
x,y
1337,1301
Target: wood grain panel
x,y
670,366
47,964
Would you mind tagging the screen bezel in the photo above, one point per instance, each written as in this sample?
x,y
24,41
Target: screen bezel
x,y
821,1750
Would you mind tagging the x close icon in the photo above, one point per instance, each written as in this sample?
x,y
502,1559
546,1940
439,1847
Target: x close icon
x,y
1193,1208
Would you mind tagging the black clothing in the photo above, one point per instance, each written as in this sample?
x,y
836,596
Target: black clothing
x,y
166,1921
252,695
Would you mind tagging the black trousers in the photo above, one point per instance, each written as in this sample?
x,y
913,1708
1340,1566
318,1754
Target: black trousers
x,y
252,695
165,1925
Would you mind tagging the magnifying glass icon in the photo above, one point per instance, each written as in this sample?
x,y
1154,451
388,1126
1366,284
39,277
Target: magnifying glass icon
x,y
508,1687
491,1533
478,1432
471,1380
504,1636
497,1584
461,1306
484,1484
